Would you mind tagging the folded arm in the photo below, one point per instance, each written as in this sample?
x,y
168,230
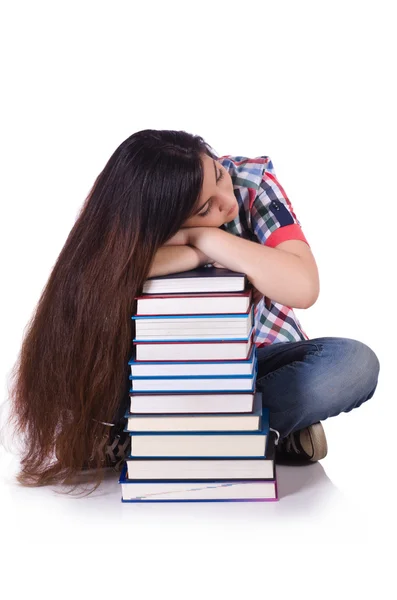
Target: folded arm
x,y
287,274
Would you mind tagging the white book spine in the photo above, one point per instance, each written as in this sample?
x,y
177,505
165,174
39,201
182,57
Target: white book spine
x,y
196,445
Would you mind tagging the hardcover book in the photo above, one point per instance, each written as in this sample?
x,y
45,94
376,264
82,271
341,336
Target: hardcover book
x,y
198,491
199,350
190,304
194,327
193,402
202,279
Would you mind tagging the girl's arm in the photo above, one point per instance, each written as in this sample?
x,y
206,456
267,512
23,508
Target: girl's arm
x,y
174,259
278,274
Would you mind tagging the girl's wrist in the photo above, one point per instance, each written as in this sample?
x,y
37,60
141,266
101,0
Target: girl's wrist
x,y
198,235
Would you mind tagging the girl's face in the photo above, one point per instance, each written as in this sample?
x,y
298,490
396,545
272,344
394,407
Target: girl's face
x,y
217,203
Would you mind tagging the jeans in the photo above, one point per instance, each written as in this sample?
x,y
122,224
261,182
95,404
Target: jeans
x,y
308,381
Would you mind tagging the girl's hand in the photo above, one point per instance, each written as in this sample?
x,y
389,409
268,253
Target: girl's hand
x,y
216,264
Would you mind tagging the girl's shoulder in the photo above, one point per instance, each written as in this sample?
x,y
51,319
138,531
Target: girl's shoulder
x,y
245,171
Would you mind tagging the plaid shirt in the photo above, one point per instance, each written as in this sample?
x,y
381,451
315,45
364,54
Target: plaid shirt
x,y
266,216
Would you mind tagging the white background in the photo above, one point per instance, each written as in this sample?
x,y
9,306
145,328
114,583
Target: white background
x,y
312,85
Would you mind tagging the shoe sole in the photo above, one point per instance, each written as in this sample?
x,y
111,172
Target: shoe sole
x,y
314,442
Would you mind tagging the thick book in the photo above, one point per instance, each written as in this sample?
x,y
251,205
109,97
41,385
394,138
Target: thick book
x,y
198,383
190,304
192,368
202,443
209,468
183,350
202,279
197,422
193,327
197,491
191,403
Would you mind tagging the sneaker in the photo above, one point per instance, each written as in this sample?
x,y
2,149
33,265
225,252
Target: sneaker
x,y
117,451
308,445
114,449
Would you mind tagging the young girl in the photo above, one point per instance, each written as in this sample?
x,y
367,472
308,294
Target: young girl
x,y
165,203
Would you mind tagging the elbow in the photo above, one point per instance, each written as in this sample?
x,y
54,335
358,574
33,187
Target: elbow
x,y
309,302
312,295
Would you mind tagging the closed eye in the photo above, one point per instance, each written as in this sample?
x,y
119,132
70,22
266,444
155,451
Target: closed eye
x,y
207,209
204,214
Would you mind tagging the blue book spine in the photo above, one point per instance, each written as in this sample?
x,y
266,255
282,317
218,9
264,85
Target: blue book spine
x,y
215,483
257,410
194,316
264,430
248,360
192,376
204,339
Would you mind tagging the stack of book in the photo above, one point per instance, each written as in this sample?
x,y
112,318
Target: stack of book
x,y
197,426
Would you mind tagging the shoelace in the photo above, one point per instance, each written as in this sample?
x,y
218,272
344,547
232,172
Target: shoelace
x,y
290,444
277,434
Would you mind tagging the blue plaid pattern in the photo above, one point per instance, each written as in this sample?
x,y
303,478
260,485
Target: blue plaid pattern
x,y
266,216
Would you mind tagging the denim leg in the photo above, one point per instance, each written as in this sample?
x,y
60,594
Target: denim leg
x,y
311,380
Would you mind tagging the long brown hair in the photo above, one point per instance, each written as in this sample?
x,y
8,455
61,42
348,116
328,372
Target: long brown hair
x,y
70,375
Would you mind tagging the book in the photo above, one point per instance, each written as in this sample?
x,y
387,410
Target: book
x,y
194,327
197,422
202,279
183,350
184,383
204,468
191,403
202,367
202,443
189,304
197,491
